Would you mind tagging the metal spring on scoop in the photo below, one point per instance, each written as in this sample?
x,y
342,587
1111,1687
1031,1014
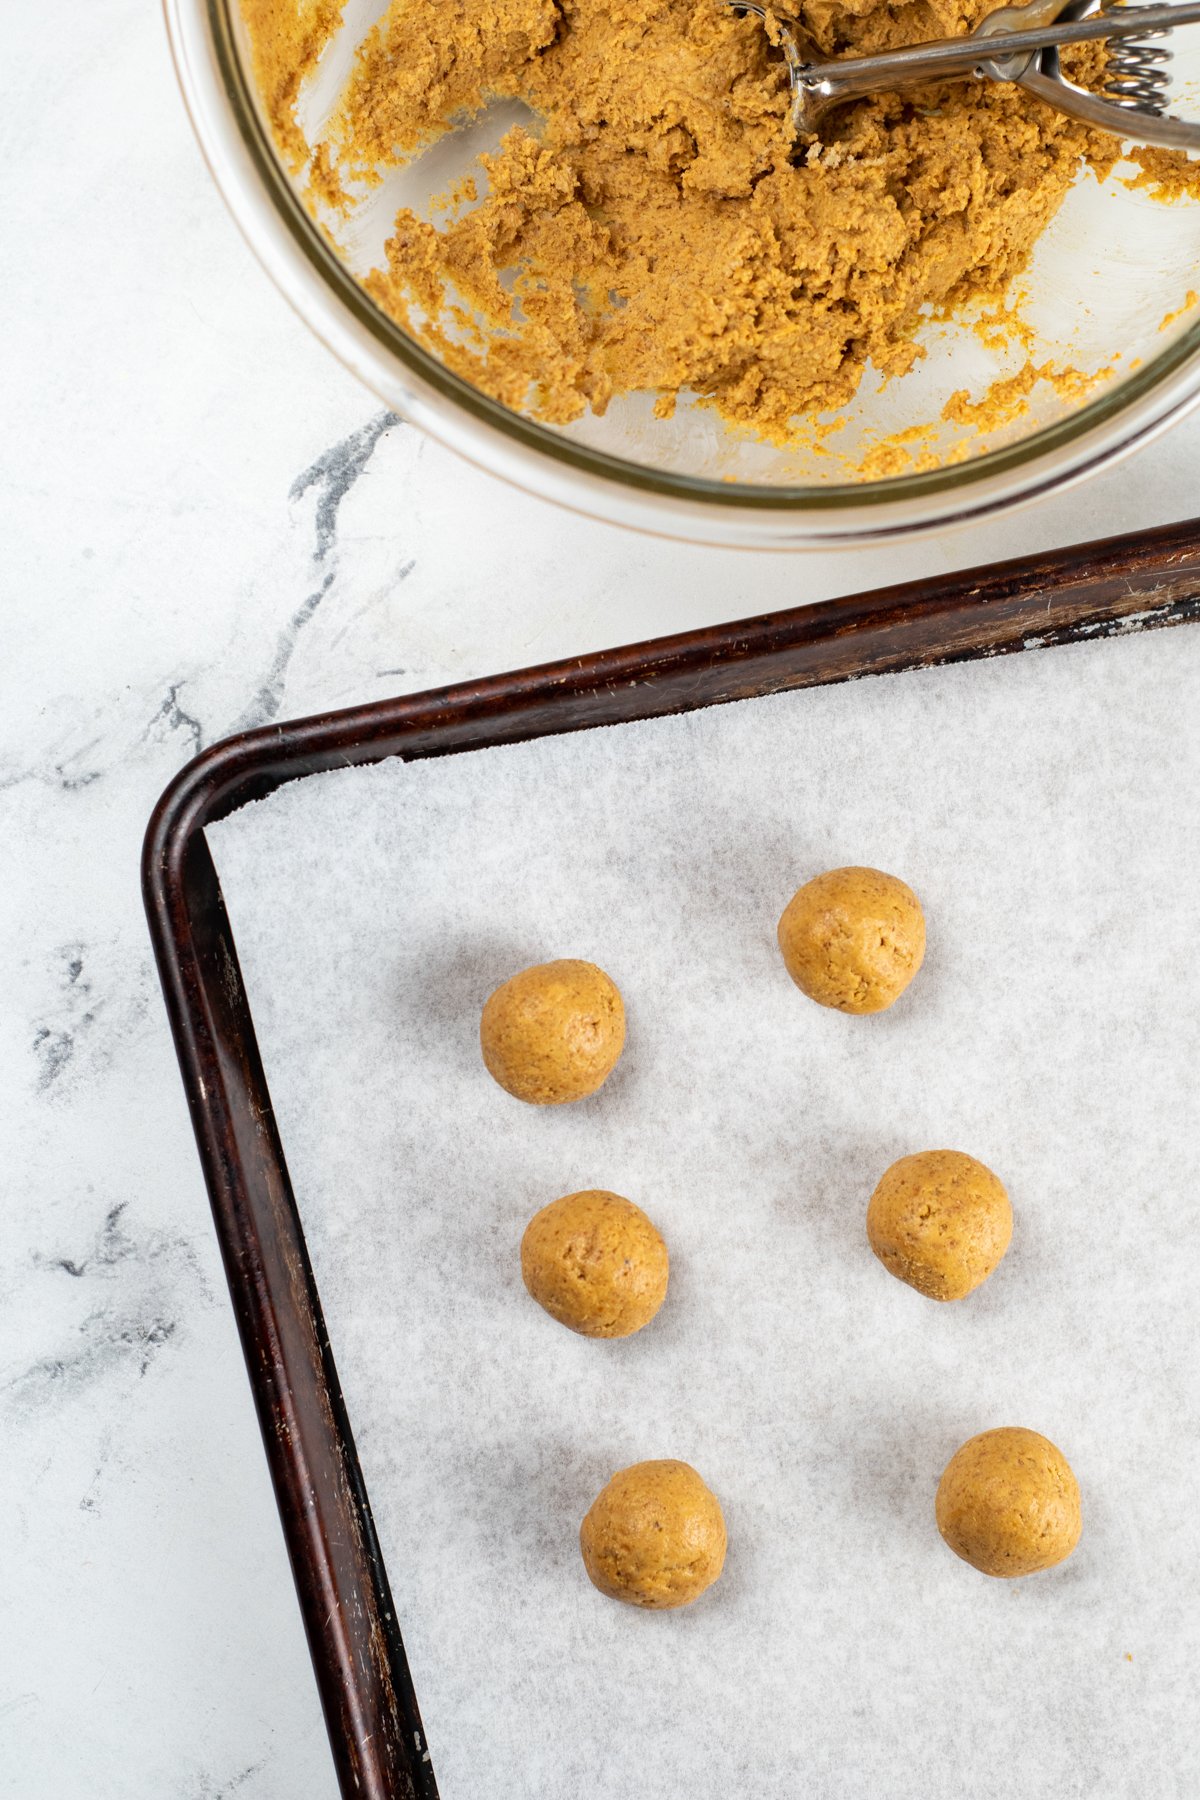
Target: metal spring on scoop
x,y
1138,70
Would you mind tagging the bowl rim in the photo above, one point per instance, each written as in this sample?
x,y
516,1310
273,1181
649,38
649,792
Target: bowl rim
x,y
246,167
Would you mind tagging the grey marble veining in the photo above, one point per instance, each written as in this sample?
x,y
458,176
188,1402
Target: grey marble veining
x,y
206,524
330,479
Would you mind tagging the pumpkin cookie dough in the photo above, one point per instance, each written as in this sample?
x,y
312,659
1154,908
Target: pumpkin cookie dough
x,y
653,228
596,1264
553,1033
853,939
654,1537
1008,1503
940,1221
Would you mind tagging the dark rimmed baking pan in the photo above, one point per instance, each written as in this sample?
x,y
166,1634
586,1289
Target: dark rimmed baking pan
x,y
1135,583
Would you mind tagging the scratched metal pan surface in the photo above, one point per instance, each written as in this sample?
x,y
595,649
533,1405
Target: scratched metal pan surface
x,y
1147,581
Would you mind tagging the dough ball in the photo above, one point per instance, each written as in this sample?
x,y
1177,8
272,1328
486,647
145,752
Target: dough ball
x,y
655,1536
939,1221
853,939
1008,1503
554,1032
596,1263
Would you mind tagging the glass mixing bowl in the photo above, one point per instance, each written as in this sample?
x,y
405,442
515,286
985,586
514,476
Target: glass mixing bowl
x,y
1108,289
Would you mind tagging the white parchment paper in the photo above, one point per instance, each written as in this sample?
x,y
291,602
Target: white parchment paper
x,y
1044,807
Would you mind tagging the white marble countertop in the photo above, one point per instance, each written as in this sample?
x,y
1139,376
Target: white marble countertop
x,y
208,525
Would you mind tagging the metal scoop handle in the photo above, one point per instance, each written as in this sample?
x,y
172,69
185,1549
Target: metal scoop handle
x,y
997,55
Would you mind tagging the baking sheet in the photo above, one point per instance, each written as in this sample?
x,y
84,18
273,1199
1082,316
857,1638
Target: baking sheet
x,y
1043,807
